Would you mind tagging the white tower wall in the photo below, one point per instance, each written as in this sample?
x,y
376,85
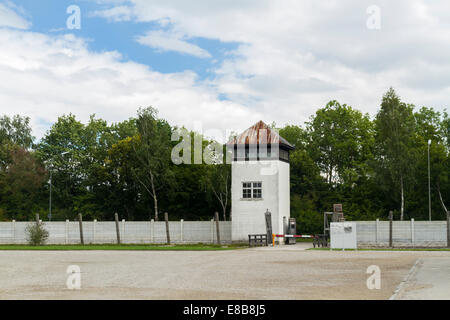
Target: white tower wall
x,y
284,195
248,214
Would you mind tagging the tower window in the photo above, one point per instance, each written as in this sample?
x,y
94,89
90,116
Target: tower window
x,y
252,190
247,190
257,190
284,154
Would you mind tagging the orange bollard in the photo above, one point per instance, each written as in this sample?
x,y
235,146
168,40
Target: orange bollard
x,y
273,240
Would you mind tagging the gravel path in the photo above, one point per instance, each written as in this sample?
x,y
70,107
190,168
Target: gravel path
x,y
260,273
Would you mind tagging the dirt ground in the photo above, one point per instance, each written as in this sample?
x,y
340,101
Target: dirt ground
x,y
260,273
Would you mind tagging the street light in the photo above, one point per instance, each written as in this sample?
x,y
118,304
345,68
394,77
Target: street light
x,y
429,185
50,200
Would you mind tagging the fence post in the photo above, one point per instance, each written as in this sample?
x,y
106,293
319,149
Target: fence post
x,y
116,218
67,231
448,229
268,217
80,222
94,230
166,218
412,231
152,231
216,216
181,230
212,230
123,230
391,216
14,231
377,228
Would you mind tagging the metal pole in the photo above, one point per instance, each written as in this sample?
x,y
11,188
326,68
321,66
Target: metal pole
x,y
50,201
429,187
216,217
448,229
80,222
116,218
391,216
166,217
268,216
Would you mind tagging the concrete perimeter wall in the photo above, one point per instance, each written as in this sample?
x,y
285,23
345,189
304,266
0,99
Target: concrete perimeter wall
x,y
404,233
103,232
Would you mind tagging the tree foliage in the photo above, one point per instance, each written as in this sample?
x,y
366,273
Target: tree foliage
x,y
341,155
395,138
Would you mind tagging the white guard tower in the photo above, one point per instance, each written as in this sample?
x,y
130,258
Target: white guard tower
x,y
260,181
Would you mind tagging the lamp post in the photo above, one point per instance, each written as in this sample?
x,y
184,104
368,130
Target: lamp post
x,y
50,200
429,184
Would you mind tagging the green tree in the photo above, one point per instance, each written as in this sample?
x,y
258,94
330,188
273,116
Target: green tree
x,y
307,185
118,173
394,138
14,131
153,149
341,142
20,184
217,179
17,130
62,150
75,153
430,126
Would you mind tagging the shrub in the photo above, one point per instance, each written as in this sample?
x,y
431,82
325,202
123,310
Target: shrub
x,y
36,234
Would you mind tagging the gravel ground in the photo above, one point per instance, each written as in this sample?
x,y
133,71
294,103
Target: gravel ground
x,y
260,273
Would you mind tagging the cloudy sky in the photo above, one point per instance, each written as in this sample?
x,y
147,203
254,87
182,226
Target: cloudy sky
x,y
224,64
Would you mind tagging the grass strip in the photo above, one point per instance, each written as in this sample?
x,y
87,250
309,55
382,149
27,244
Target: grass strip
x,y
126,247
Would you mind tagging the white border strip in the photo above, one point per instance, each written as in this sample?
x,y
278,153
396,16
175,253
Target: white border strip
x,y
408,277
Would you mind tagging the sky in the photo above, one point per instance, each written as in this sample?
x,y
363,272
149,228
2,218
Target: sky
x,y
218,65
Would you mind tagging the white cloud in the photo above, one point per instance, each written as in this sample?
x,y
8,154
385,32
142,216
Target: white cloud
x,y
297,55
116,14
46,76
293,57
9,17
169,41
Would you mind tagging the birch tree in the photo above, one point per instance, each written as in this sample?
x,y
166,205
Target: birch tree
x,y
152,148
217,179
395,134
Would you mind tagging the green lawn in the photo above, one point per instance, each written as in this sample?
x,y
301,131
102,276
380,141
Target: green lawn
x,y
135,247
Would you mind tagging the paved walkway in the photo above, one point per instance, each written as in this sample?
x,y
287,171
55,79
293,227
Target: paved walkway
x,y
429,279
